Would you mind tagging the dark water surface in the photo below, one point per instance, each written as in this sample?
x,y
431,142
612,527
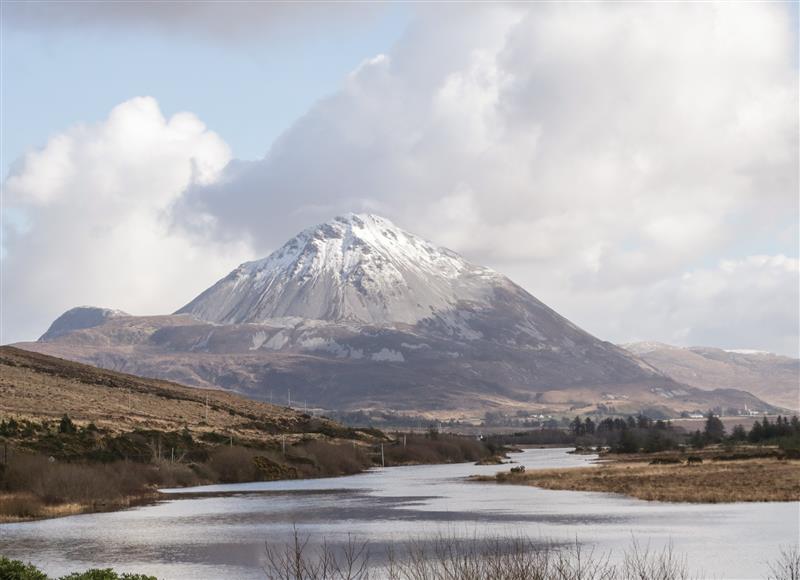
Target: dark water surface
x,y
219,531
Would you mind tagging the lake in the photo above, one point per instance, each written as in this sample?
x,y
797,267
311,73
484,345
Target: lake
x,y
219,531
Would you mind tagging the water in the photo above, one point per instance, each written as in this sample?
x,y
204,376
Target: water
x,y
219,531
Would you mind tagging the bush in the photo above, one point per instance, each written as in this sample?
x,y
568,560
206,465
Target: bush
x,y
21,506
58,481
336,459
16,570
233,464
105,574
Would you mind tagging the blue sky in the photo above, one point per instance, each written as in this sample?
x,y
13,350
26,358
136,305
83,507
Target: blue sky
x,y
633,165
248,91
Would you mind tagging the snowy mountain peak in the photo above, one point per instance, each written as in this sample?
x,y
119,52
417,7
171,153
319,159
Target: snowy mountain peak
x,y
355,267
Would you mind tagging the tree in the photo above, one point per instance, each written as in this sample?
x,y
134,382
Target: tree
x,y
628,442
739,434
66,425
714,430
756,433
697,440
577,426
588,426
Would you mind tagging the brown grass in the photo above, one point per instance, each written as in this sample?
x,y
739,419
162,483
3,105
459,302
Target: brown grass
x,y
24,507
35,386
747,480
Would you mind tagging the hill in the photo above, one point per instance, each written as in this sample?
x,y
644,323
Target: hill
x,y
773,378
41,387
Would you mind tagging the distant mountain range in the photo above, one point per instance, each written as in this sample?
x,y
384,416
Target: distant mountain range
x,y
773,378
357,313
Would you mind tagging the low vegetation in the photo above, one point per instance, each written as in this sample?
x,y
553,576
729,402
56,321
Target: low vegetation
x,y
454,558
712,481
17,570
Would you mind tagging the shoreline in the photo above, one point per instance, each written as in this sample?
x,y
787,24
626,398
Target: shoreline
x,y
667,478
152,496
66,509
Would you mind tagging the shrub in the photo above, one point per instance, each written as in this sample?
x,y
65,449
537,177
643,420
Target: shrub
x,y
105,574
21,506
337,459
16,570
233,464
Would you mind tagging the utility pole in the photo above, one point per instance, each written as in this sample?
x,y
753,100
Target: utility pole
x,y
383,460
283,443
404,440
289,396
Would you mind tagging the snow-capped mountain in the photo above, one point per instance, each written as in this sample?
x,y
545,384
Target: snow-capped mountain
x,y
358,313
356,268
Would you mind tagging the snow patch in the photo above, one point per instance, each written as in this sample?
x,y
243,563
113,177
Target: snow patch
x,y
258,340
410,346
388,355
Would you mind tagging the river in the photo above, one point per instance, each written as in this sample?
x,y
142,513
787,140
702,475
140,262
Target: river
x,y
219,531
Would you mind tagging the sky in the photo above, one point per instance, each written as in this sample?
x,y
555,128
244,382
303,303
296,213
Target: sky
x,y
633,165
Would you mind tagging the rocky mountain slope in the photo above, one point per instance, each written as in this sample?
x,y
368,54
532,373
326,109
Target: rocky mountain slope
x,y
357,313
773,378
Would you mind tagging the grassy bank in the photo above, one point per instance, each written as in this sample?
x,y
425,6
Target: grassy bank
x,y
714,476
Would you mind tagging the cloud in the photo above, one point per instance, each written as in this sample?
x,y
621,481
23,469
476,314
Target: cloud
x,y
220,21
96,202
602,147
749,302
617,160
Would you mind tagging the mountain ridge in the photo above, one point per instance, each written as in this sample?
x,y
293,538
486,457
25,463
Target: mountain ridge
x,y
772,377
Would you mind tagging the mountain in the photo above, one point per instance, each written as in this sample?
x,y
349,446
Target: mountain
x,y
356,268
774,378
358,313
79,318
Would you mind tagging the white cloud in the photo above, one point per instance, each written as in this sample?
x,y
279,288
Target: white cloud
x,y
734,304
97,202
601,147
603,155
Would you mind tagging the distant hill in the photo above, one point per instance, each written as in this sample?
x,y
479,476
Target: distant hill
x,y
37,386
773,378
